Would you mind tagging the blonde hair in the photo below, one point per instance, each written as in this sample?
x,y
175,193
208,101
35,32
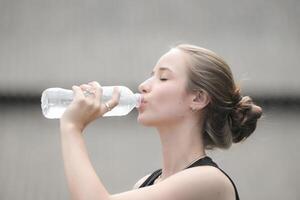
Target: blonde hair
x,y
230,117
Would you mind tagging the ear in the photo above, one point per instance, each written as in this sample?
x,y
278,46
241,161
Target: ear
x,y
200,100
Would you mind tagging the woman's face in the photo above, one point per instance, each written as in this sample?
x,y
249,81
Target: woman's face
x,y
164,93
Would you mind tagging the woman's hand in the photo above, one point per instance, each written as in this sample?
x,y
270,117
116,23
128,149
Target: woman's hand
x,y
87,105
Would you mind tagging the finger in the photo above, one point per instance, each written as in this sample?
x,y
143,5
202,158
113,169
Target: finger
x,y
88,90
114,101
105,107
77,92
116,96
97,90
85,87
94,83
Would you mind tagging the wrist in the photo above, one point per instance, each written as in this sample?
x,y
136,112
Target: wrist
x,y
70,126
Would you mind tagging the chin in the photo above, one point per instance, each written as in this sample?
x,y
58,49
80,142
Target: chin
x,y
146,120
151,120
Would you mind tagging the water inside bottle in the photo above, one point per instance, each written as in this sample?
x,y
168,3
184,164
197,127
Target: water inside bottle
x,y
52,107
56,100
55,112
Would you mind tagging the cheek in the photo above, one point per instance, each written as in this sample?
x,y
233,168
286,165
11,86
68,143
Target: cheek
x,y
175,108
168,107
170,102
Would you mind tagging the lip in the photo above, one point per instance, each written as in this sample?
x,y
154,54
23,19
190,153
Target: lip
x,y
143,101
142,105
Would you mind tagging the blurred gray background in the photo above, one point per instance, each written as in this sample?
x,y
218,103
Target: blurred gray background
x,y
60,43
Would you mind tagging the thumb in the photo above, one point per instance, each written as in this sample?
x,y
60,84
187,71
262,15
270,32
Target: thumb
x,y
77,92
116,95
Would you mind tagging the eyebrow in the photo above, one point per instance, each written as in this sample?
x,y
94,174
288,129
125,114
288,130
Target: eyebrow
x,y
161,69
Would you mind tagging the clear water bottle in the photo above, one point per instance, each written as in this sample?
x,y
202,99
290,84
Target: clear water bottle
x,y
54,101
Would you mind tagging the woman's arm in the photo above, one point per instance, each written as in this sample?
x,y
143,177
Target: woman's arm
x,y
82,179
84,184
191,184
197,183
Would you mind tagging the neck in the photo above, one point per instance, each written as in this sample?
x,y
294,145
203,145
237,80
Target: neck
x,y
181,146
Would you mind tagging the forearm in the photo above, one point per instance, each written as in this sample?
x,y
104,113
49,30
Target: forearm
x,y
82,179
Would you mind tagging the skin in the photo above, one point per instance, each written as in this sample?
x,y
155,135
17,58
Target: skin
x,y
167,107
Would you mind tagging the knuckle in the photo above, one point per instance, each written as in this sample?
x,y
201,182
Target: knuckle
x,y
84,85
96,83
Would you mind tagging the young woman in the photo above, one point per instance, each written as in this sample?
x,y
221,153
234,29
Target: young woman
x,y
193,102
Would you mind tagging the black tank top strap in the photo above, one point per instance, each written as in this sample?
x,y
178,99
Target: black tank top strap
x,y
206,161
203,162
150,180
235,189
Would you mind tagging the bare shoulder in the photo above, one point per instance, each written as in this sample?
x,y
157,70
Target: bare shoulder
x,y
140,182
205,181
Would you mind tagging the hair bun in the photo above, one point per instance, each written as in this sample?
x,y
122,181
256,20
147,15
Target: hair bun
x,y
244,118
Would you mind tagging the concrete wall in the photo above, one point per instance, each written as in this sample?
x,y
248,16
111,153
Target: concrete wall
x,y
265,166
60,43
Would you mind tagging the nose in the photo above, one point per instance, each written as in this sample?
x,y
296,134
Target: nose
x,y
144,87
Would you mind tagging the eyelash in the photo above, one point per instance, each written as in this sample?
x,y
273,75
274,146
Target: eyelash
x,y
163,79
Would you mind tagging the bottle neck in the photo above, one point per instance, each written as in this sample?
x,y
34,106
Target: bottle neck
x,y
138,98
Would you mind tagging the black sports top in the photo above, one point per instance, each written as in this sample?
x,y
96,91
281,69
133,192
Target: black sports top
x,y
201,162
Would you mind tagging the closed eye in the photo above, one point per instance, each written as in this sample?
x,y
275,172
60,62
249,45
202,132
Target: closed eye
x,y
163,79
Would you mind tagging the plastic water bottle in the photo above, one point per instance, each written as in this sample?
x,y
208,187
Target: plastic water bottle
x,y
54,101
